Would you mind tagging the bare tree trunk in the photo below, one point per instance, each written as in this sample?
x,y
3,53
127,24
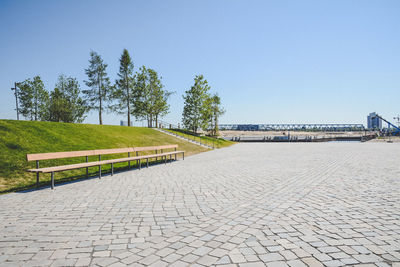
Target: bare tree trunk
x,y
216,126
151,121
129,101
100,104
36,106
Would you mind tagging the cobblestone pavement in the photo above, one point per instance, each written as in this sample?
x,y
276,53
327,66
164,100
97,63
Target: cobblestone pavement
x,y
248,205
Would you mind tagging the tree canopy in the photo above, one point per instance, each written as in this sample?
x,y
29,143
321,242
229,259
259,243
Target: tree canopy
x,y
33,99
150,99
196,110
66,104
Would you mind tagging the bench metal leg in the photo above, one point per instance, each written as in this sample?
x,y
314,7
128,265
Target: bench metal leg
x,y
156,157
175,157
147,162
87,169
112,169
129,162
183,155
37,179
170,158
99,167
52,180
165,159
140,165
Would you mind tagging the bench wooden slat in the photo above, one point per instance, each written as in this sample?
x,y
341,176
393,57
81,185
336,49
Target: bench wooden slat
x,y
59,155
97,163
73,154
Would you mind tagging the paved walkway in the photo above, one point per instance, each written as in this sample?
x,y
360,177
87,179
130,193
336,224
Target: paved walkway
x,y
247,205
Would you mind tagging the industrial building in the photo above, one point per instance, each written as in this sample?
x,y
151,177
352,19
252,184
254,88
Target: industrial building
x,y
374,121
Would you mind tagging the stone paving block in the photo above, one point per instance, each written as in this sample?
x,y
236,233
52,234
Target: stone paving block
x,y
131,259
224,260
271,257
252,264
104,253
369,258
201,251
63,262
251,258
237,258
179,264
83,262
288,255
207,260
349,261
312,262
172,258
277,264
333,263
296,263
117,264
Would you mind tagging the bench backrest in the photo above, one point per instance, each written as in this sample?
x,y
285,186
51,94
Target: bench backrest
x,y
59,155
97,152
112,151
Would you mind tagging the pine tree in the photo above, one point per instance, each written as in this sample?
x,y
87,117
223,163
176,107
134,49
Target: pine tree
x,y
124,86
99,93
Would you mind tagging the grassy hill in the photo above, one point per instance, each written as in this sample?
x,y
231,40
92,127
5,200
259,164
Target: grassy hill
x,y
18,138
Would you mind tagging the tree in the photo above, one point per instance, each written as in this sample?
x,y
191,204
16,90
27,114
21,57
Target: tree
x,y
159,97
66,103
150,99
124,86
216,111
33,99
196,111
141,95
99,83
59,107
25,96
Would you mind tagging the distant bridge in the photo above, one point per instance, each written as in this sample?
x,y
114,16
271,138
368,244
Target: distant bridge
x,y
292,127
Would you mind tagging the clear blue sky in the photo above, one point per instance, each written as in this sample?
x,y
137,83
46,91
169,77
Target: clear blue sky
x,y
270,61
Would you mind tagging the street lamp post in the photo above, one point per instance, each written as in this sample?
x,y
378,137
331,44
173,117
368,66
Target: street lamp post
x,y
15,89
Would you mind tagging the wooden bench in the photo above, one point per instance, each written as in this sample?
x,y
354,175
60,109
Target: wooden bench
x,y
86,153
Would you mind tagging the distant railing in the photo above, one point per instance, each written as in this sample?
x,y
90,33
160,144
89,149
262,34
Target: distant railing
x,y
190,136
304,138
293,127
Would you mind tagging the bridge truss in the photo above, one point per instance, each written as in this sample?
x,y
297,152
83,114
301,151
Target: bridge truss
x,y
292,127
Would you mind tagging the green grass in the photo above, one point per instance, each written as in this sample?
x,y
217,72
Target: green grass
x,y
18,138
210,141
